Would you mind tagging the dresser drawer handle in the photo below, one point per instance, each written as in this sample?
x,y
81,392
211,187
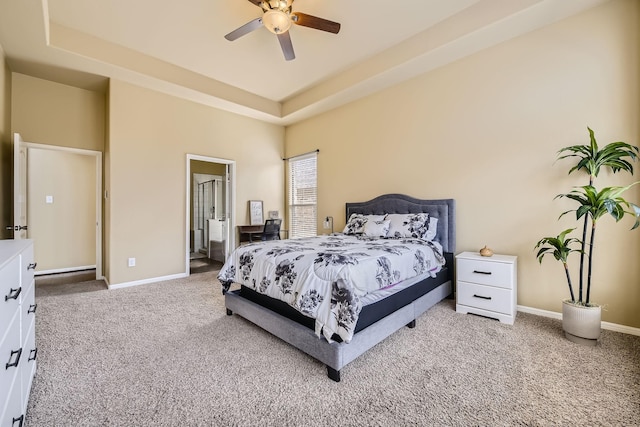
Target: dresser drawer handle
x,y
13,364
32,266
32,355
482,272
32,308
480,296
18,420
13,294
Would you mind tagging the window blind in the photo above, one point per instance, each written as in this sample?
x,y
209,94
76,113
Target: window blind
x,y
303,195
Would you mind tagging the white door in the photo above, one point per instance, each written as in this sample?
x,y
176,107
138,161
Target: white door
x,y
19,188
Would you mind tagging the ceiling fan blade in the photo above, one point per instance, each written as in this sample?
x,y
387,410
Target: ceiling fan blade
x,y
287,47
245,29
256,2
315,22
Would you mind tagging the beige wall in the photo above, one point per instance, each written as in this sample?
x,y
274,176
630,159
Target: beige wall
x,y
6,212
198,166
52,113
150,137
64,231
485,130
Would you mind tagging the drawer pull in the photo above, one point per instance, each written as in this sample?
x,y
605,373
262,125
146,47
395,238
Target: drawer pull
x,y
480,296
15,363
32,308
482,272
13,294
18,420
32,355
32,266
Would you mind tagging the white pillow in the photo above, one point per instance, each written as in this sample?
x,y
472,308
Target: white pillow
x,y
376,228
375,217
408,225
433,228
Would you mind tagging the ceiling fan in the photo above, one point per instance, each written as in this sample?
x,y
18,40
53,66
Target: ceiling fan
x,y
278,18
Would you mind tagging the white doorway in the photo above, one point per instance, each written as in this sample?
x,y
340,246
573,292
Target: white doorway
x,y
56,227
210,216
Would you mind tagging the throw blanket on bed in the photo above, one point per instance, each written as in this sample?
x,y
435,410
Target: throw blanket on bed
x,y
324,277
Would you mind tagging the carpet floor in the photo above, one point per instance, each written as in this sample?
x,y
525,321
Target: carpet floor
x,y
166,354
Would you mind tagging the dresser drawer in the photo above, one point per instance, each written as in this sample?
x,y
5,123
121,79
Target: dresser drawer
x,y
12,415
9,348
485,272
28,363
28,310
9,291
485,297
27,267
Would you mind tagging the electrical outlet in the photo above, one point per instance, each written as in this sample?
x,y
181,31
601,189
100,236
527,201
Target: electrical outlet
x,y
132,262
326,225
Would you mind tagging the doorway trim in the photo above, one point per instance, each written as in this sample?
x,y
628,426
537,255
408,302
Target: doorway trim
x,y
98,159
231,211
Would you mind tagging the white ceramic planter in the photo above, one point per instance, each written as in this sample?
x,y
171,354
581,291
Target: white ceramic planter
x,y
581,324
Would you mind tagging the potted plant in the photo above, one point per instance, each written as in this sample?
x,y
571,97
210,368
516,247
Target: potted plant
x,y
581,317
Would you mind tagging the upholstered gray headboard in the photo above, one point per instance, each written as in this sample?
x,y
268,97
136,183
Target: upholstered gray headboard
x,y
443,209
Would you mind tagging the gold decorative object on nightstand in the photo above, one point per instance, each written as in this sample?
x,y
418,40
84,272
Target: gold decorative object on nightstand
x,y
486,251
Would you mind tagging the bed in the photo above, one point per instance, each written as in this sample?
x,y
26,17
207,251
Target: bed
x,y
334,297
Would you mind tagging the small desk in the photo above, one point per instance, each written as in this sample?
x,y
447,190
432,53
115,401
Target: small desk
x,y
247,233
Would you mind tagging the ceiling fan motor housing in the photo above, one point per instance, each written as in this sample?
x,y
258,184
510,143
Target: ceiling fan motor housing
x,y
277,18
276,21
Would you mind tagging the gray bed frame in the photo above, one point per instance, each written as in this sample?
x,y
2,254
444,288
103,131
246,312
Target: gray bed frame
x,y
336,355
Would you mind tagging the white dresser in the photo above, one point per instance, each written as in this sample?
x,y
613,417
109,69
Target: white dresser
x,y
18,350
487,286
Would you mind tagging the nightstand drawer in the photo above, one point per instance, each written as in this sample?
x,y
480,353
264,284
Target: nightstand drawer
x,y
486,297
485,272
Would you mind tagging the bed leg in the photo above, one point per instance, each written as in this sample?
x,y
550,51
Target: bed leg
x,y
334,374
412,324
229,312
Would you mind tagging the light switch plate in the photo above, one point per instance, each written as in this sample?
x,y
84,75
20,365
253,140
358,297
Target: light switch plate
x,y
48,199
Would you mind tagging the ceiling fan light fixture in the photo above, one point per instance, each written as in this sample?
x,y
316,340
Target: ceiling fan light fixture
x,y
276,21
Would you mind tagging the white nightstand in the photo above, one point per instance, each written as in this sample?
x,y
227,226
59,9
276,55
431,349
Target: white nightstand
x,y
487,286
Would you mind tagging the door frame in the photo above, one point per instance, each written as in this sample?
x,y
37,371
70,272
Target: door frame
x,y
98,160
230,208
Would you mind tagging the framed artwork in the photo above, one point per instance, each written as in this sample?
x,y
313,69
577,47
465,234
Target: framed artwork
x,y
255,212
274,215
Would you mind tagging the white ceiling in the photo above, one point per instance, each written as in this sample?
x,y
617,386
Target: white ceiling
x,y
179,47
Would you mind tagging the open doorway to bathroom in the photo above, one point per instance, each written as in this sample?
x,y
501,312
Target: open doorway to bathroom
x,y
209,214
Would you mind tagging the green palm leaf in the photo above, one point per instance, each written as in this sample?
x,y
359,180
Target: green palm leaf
x,y
591,159
560,247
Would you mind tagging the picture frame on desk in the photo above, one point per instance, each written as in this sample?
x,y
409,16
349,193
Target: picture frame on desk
x,y
256,215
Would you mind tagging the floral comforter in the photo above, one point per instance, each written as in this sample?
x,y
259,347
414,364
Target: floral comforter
x,y
324,277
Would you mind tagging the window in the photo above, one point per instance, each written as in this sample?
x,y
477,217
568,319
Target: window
x,y
303,195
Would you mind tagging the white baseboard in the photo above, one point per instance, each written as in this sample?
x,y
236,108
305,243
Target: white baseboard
x,y
64,270
605,325
146,281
